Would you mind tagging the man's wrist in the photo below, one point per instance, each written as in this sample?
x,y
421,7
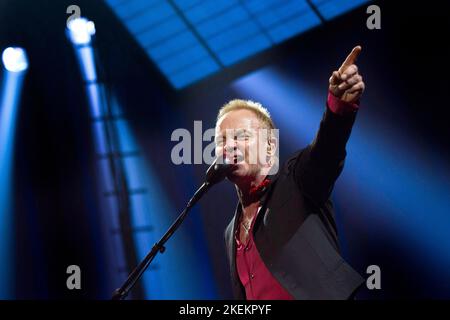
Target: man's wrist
x,y
340,107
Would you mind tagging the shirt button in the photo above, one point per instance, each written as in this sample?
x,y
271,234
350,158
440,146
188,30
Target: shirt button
x,y
252,276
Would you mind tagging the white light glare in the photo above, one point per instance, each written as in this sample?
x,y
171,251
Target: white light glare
x,y
15,59
81,30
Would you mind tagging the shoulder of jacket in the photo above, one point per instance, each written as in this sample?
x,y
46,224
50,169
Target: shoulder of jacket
x,y
293,159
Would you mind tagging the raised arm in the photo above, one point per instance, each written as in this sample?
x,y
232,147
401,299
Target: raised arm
x,y
318,167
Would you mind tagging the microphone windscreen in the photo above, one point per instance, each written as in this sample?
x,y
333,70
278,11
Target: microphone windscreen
x,y
217,171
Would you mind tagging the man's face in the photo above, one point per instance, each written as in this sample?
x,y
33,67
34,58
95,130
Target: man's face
x,y
241,139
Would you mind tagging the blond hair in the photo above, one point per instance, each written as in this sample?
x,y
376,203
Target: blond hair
x,y
238,104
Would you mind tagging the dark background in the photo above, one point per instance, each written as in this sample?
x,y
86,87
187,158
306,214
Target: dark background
x,y
405,66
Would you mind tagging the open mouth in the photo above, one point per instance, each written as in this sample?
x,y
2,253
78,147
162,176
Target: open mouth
x,y
238,159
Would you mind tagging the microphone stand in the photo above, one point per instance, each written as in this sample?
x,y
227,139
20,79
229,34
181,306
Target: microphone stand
x,y
122,292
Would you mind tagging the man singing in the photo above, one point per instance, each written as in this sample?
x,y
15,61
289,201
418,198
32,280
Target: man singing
x,y
282,241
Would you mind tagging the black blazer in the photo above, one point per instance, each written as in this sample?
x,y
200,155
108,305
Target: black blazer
x,y
295,231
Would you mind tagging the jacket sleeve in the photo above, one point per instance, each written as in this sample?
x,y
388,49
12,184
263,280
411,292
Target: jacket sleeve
x,y
317,168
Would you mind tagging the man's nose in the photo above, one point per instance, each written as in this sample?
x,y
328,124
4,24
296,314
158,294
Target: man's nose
x,y
230,145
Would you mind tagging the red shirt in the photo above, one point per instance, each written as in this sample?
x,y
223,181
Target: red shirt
x,y
340,107
257,280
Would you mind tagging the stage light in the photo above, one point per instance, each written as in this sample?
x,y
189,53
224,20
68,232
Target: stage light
x,y
149,207
81,30
15,64
15,59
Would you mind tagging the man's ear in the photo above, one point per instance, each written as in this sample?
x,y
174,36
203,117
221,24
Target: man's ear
x,y
272,153
272,145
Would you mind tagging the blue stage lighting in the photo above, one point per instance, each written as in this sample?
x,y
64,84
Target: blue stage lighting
x,y
330,9
189,40
149,208
15,64
399,188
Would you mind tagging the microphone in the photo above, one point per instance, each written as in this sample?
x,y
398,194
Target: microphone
x,y
215,174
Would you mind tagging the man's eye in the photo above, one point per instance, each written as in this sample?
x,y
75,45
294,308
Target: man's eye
x,y
244,137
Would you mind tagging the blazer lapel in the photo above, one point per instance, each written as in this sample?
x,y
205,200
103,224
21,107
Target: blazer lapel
x,y
231,238
264,200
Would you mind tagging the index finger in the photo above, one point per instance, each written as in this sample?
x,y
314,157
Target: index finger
x,y
351,58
